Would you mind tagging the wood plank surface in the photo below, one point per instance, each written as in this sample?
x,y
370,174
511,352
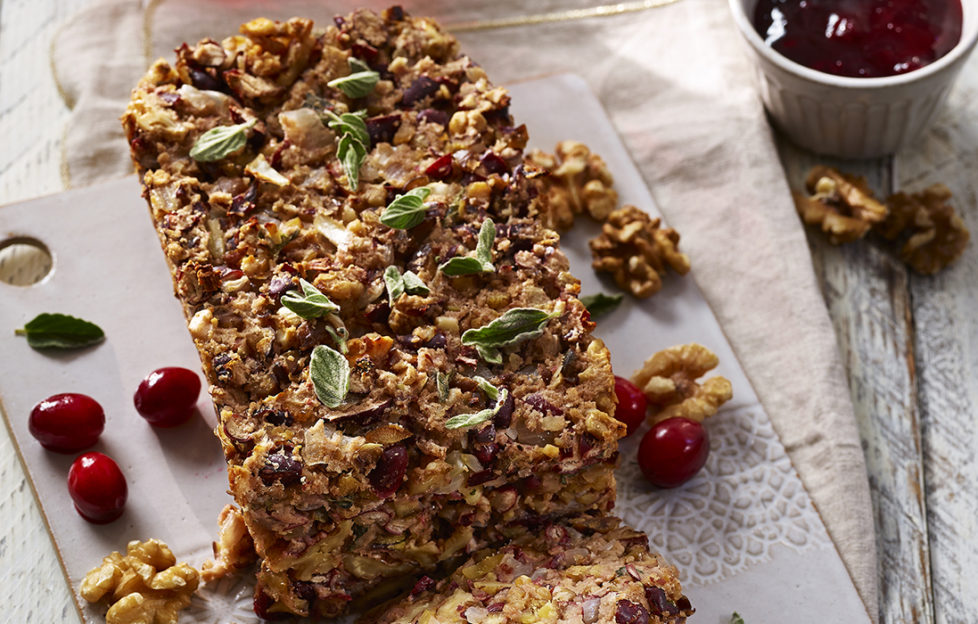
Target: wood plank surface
x,y
867,294
32,117
946,336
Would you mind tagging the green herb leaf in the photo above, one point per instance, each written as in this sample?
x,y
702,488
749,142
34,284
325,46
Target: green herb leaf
x,y
398,284
470,420
736,619
359,83
464,265
407,210
339,336
394,282
601,304
330,373
310,303
356,65
414,286
351,154
491,391
349,124
490,354
221,141
513,327
482,262
354,141
487,238
60,331
441,381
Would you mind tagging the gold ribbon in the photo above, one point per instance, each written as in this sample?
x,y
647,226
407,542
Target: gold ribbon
x,y
605,10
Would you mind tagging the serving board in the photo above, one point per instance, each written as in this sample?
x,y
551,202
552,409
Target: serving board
x,y
743,532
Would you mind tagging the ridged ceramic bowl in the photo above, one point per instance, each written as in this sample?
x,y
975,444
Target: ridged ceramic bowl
x,y
852,117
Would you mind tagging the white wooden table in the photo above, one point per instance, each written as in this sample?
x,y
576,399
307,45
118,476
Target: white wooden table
x,y
910,345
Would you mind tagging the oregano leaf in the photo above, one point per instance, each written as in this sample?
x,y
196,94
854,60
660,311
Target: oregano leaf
x,y
221,141
330,374
310,303
407,210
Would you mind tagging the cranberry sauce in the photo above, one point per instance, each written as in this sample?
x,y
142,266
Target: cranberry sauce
x,y
860,38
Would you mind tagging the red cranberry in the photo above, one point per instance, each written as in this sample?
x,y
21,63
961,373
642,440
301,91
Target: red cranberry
x,y
631,404
628,612
167,396
673,451
388,474
67,423
98,488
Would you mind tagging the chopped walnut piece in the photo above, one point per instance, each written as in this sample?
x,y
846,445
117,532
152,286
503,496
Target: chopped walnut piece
x,y
146,585
842,204
668,380
636,251
577,181
934,235
233,549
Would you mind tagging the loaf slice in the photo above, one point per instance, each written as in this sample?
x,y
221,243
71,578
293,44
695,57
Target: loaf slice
x,y
354,484
588,570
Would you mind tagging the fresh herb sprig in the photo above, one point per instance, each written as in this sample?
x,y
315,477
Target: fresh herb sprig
x,y
330,374
221,141
513,327
359,83
60,331
600,304
496,395
736,619
354,142
481,262
398,284
310,303
407,210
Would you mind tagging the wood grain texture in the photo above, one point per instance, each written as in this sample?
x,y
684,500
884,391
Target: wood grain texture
x,y
867,293
32,116
947,359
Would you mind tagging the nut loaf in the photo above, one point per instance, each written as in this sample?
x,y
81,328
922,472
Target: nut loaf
x,y
350,503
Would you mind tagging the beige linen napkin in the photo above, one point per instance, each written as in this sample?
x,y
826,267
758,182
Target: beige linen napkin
x,y
675,84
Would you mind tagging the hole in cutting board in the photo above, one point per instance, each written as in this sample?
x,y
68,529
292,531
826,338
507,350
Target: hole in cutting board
x,y
24,261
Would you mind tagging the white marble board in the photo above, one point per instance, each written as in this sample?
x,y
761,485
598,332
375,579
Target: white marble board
x,y
743,532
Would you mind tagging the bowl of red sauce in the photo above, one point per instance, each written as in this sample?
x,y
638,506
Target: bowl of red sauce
x,y
856,78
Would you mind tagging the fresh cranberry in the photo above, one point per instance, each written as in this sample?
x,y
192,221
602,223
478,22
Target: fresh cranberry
x,y
66,423
673,451
631,404
167,396
98,488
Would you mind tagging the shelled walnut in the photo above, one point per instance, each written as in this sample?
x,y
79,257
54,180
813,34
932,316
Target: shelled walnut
x,y
669,381
841,204
146,585
934,235
637,251
233,549
578,181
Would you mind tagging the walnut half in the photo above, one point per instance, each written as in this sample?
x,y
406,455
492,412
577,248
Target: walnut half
x,y
842,204
668,380
637,251
145,586
577,181
934,235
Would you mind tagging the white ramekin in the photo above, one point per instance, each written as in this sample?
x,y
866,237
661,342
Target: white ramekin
x,y
852,117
